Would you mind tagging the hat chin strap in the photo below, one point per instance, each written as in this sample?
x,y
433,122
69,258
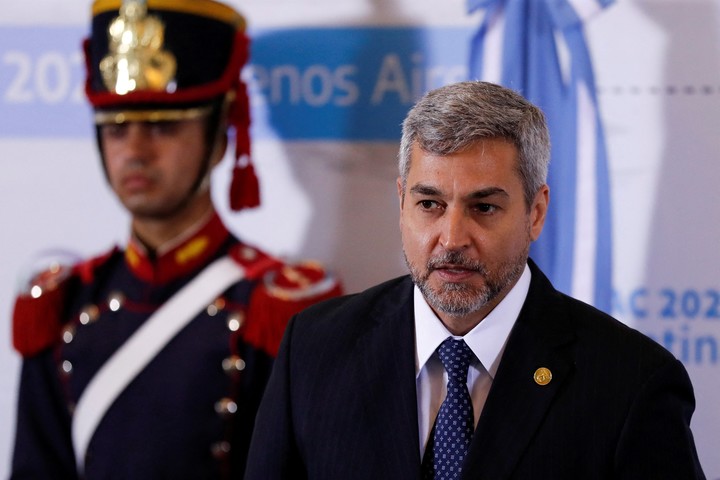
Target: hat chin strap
x,y
202,182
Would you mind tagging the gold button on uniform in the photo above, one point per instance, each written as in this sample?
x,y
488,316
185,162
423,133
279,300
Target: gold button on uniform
x,y
115,301
220,450
233,364
542,376
68,334
235,320
226,407
89,314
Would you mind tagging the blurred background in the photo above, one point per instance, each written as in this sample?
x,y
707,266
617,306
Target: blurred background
x,y
330,83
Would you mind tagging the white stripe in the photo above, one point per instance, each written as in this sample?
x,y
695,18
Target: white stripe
x,y
130,359
493,54
564,57
583,275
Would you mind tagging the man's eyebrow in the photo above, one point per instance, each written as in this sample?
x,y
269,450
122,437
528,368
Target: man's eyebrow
x,y
431,191
421,189
487,192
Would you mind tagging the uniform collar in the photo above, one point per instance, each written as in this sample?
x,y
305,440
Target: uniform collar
x,y
185,254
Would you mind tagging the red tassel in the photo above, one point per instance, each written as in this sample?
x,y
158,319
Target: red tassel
x,y
244,189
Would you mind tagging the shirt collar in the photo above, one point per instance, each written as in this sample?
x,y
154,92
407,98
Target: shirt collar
x,y
487,340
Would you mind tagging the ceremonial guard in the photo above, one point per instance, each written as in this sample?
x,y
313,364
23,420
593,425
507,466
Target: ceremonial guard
x,y
148,362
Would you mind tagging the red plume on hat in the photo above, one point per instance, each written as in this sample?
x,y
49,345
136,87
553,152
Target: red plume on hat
x,y
144,65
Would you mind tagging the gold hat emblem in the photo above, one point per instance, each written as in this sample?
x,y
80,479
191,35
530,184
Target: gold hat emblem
x,y
137,60
542,376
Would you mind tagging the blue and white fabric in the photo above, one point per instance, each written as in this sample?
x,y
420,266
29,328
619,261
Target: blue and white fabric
x,y
538,48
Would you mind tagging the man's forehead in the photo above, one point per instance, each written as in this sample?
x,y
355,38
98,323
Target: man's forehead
x,y
468,176
430,168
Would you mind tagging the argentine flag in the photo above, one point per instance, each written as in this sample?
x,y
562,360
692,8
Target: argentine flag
x,y
537,47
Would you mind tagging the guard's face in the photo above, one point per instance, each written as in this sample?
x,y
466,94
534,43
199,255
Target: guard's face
x,y
152,167
466,229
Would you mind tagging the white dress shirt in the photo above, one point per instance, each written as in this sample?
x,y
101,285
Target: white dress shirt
x,y
487,341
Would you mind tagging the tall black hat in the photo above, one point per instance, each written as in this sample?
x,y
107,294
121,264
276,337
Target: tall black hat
x,y
160,60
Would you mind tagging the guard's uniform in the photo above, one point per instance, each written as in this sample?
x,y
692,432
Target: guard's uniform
x,y
98,395
189,413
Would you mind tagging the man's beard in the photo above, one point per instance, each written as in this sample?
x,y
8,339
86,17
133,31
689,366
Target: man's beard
x,y
461,299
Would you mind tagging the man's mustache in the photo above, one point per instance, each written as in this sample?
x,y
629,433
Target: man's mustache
x,y
457,260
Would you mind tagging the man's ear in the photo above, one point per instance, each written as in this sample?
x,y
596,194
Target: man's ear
x,y
401,195
538,211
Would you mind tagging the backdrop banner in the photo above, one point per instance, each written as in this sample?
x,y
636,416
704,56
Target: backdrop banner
x,y
330,83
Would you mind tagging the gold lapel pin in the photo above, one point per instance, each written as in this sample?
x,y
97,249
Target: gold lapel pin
x,y
542,376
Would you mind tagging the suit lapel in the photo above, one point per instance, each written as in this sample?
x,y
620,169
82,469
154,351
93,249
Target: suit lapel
x,y
517,404
388,350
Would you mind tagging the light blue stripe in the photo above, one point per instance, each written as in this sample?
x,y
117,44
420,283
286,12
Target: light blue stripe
x,y
531,65
335,84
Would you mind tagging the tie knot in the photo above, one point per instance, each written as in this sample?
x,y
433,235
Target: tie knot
x,y
455,356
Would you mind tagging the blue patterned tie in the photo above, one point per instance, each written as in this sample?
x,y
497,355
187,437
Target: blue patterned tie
x,y
454,425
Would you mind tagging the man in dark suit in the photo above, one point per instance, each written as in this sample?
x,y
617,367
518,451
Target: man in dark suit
x,y
474,366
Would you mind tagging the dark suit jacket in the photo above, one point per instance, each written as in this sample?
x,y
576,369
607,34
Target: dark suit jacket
x,y
341,400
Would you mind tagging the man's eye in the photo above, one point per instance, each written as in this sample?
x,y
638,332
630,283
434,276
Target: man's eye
x,y
165,128
485,208
114,130
427,204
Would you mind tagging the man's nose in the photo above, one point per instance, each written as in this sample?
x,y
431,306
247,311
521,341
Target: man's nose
x,y
454,234
137,142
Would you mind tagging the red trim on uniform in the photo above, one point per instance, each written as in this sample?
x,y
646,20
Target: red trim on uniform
x,y
257,264
36,321
183,259
207,91
268,316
